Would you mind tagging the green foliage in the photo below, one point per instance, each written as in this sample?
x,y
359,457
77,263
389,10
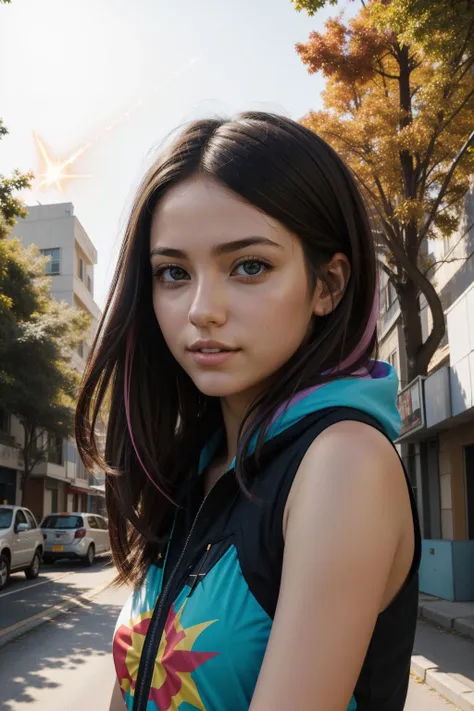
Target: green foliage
x,y
312,6
37,335
440,26
11,208
37,381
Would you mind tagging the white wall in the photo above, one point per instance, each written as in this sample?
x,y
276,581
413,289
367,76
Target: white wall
x,y
460,319
48,227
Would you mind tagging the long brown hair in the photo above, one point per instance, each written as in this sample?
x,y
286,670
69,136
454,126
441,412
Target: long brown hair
x,y
157,418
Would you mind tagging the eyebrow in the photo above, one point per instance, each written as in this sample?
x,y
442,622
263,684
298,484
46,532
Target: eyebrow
x,y
219,249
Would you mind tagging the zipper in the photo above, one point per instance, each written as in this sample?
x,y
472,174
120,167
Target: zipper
x,y
147,661
198,574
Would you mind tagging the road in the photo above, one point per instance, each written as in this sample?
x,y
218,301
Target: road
x,y
24,598
64,664
67,664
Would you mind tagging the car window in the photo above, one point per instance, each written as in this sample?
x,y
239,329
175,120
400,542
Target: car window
x,y
6,516
93,522
20,518
57,521
102,522
31,519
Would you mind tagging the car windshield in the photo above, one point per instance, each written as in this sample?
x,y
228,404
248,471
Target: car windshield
x,y
63,522
6,516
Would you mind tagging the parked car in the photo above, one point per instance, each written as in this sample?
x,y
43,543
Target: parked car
x,y
21,543
75,536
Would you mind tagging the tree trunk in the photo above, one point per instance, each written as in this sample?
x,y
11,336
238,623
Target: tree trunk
x,y
411,322
419,354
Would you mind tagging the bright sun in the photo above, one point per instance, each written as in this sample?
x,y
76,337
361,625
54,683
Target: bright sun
x,y
54,172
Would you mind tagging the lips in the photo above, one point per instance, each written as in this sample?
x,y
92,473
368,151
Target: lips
x,y
212,353
210,347
213,350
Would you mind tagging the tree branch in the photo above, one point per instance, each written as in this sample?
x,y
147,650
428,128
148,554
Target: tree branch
x,y
456,112
444,187
455,259
351,148
385,75
391,275
447,261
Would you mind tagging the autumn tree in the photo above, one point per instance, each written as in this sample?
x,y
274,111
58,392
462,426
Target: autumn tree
x,y
398,106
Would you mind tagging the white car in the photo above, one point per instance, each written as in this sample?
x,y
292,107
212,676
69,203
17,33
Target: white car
x,y
75,536
21,543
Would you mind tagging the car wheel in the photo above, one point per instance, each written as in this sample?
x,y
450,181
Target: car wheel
x,y
90,556
33,569
4,570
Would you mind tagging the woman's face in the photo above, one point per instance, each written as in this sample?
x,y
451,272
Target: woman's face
x,y
230,288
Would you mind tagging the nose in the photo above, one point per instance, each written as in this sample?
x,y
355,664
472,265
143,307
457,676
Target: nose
x,y
209,307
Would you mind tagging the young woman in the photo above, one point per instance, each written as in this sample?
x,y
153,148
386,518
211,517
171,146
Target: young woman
x,y
255,500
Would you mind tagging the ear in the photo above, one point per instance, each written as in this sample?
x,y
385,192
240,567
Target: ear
x,y
330,288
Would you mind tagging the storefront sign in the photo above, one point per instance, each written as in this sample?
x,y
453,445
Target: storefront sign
x,y
411,406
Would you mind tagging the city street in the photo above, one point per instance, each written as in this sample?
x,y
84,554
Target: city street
x,y
67,663
21,599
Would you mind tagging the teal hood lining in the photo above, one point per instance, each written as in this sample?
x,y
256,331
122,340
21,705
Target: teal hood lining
x,y
373,392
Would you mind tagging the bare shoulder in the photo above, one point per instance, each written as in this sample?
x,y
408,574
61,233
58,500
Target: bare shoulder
x,y
345,558
350,459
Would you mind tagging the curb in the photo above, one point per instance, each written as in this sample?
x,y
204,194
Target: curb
x,y
20,628
463,624
448,686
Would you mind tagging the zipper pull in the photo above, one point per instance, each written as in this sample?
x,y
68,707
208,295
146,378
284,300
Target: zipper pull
x,y
198,574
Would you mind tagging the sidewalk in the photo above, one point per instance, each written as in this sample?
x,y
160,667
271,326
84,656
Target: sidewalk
x,y
458,616
444,649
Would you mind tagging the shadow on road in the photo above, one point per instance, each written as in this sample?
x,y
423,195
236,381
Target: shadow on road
x,y
46,657
21,598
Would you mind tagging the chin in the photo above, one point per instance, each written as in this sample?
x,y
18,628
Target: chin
x,y
221,385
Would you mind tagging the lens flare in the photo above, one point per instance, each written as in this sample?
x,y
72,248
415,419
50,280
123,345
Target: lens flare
x,y
54,172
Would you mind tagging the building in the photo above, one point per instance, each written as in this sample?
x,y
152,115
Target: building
x,y
437,440
61,482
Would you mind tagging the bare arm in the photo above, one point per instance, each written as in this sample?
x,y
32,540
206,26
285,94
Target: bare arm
x,y
116,702
345,517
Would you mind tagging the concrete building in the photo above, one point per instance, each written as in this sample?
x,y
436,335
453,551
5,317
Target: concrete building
x,y
437,440
61,482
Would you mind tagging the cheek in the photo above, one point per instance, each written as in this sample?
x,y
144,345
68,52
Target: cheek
x,y
170,319
280,320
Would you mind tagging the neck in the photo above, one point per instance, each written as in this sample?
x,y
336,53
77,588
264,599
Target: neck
x,y
233,413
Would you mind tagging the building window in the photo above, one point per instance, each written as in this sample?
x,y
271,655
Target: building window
x,y
89,284
55,449
4,421
81,472
389,296
81,269
392,359
54,264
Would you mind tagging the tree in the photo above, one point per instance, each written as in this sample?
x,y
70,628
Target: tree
x,y
37,336
11,207
37,382
399,108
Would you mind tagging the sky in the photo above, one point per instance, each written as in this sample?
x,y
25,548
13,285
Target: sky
x,y
119,76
